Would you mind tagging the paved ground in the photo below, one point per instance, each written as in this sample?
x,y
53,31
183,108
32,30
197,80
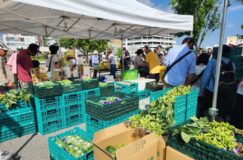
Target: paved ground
x,y
30,147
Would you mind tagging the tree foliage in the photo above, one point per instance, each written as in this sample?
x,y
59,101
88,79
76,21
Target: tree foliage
x,y
85,45
205,13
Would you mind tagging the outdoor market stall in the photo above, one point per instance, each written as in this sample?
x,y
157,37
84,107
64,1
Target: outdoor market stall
x,y
102,106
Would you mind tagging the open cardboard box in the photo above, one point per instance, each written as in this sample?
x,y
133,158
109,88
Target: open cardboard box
x,y
137,147
172,154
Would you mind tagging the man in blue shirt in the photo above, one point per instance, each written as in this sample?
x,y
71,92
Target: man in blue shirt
x,y
183,71
207,85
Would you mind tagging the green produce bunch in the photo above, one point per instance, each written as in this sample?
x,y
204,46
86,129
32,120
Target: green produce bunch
x,y
74,145
160,115
65,82
102,84
12,97
218,134
112,149
45,84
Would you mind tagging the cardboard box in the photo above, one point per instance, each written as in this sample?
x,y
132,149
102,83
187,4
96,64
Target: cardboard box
x,y
137,146
172,154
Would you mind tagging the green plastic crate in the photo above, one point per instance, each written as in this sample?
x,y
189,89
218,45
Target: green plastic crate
x,y
58,153
126,87
93,124
71,88
154,95
51,126
127,104
49,115
200,150
131,74
88,84
74,98
14,131
48,103
17,116
45,92
107,90
153,86
73,120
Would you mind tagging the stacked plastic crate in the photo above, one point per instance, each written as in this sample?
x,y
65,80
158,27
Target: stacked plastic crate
x,y
49,108
16,122
90,88
72,103
100,116
185,106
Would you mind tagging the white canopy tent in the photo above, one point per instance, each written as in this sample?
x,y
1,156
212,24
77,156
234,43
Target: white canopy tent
x,y
99,19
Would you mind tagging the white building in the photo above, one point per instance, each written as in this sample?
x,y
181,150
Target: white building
x,y
15,41
132,44
234,40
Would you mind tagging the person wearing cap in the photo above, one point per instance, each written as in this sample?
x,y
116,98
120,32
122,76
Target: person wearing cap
x,y
5,79
95,63
153,62
24,64
183,71
69,57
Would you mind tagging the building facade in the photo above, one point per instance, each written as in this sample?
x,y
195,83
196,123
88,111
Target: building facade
x,y
17,41
132,44
237,41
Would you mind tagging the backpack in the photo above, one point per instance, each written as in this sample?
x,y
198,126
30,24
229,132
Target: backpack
x,y
227,84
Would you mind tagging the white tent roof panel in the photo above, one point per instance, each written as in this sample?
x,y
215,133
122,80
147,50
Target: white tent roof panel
x,y
104,19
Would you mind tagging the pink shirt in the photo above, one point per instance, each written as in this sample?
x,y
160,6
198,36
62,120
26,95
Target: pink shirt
x,y
12,62
24,65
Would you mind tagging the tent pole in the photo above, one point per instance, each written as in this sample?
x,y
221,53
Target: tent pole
x,y
213,111
122,56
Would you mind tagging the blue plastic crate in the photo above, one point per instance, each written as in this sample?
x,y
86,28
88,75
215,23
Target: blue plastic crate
x,y
93,124
51,126
58,153
74,120
72,98
126,88
143,94
48,103
8,133
50,115
17,116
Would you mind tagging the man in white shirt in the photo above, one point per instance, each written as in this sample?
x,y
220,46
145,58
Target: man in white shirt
x,y
183,71
95,63
112,59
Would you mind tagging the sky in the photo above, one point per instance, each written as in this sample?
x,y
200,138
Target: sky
x,y
234,20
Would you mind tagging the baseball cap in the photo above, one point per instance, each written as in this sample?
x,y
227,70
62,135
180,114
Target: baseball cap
x,y
34,48
3,47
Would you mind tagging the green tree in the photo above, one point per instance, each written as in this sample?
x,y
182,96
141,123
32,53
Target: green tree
x,y
205,14
85,45
119,53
